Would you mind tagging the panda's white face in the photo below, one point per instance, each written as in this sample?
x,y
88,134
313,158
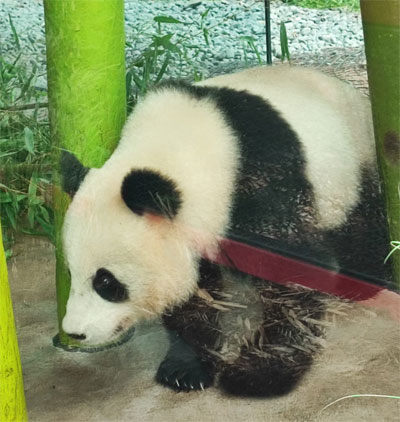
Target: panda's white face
x,y
136,227
124,266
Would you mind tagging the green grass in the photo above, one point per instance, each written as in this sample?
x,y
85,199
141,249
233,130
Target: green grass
x,y
353,5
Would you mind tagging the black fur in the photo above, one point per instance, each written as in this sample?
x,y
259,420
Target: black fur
x,y
278,350
183,369
72,172
272,184
274,200
148,191
197,327
362,243
254,376
279,196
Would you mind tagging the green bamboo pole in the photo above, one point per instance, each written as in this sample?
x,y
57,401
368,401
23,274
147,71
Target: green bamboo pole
x,y
12,399
86,80
381,23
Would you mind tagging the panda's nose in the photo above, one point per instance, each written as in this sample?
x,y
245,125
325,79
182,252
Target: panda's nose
x,y
76,336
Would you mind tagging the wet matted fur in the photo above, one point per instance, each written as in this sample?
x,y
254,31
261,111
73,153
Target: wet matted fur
x,y
254,337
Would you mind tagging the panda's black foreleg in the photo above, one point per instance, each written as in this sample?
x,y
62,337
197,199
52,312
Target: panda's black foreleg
x,y
183,369
193,329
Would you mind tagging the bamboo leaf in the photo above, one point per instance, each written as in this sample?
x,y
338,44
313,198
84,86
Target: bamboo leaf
x,y
205,35
284,42
138,81
28,82
45,214
31,216
48,228
29,141
32,189
166,19
205,13
5,198
163,68
128,83
165,42
11,217
14,31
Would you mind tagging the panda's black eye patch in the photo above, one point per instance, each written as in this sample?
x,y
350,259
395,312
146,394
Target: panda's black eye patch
x,y
108,287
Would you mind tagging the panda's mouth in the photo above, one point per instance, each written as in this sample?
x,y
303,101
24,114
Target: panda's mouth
x,y
122,335
119,337
116,340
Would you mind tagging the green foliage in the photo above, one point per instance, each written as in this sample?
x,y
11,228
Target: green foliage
x,y
325,4
285,54
250,43
25,174
151,65
15,35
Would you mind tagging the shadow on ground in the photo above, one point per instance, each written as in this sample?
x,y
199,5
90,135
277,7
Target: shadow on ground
x,y
362,356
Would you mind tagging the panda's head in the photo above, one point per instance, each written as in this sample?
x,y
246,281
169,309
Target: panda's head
x,y
124,247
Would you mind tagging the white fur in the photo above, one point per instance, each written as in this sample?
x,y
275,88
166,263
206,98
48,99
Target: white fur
x,y
334,125
189,141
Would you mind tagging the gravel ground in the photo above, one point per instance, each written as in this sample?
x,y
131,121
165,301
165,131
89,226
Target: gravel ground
x,y
310,31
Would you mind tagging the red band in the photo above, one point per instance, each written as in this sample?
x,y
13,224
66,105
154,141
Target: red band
x,y
283,270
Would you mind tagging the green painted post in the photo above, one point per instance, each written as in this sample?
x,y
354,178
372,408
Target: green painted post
x,y
381,23
87,99
12,399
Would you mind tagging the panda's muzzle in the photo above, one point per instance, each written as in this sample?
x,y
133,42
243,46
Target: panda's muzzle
x,y
78,337
123,338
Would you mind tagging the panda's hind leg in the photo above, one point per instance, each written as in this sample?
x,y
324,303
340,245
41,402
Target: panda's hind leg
x,y
274,356
262,376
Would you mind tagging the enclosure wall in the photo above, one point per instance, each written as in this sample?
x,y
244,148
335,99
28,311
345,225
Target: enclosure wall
x,y
86,81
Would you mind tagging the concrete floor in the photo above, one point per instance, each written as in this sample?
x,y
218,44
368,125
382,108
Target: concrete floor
x,y
362,356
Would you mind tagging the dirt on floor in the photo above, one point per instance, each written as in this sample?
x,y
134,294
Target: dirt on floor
x,y
361,357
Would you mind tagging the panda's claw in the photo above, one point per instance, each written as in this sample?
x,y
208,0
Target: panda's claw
x,y
184,375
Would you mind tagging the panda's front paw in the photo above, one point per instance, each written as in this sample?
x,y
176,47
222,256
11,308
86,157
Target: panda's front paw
x,y
184,375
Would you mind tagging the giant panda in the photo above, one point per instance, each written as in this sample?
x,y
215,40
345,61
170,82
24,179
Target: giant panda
x,y
284,151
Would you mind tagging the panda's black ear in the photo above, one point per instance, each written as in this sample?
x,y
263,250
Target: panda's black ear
x,y
147,191
72,172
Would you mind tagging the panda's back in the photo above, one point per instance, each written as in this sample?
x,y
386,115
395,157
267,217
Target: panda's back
x,y
332,122
294,124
